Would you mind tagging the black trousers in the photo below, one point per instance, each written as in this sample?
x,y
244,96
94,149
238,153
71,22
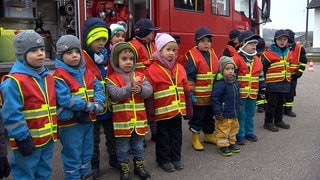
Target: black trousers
x,y
274,107
289,97
169,140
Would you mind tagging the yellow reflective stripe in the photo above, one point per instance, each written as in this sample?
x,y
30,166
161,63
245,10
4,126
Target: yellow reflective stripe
x,y
38,113
207,76
128,107
247,90
140,65
174,106
47,130
131,124
203,88
164,93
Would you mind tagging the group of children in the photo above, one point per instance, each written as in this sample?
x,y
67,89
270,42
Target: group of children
x,y
125,86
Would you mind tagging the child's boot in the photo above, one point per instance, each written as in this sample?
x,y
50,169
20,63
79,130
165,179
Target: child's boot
x,y
196,144
209,138
139,169
125,171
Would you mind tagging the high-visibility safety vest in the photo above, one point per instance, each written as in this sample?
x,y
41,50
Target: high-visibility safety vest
x,y
232,50
144,53
130,114
91,65
206,73
279,69
168,90
295,61
248,78
39,108
86,93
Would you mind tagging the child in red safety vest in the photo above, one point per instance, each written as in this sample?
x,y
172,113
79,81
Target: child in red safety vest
x,y
202,67
169,103
80,96
29,109
128,89
143,44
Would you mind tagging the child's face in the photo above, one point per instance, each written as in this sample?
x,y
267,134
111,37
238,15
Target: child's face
x,y
169,51
98,45
118,37
204,44
36,57
126,58
228,71
250,47
72,57
282,41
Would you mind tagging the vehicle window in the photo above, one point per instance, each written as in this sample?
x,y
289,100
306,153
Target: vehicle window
x,y
220,7
195,5
245,7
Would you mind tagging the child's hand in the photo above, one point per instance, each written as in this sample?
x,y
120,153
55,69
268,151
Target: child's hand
x,y
137,81
136,89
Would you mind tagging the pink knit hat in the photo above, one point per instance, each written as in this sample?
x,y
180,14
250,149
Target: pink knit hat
x,y
162,39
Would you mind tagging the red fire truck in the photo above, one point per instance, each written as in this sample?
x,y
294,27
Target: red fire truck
x,y
180,18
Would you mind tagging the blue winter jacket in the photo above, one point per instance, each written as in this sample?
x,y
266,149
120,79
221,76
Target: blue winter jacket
x,y
66,102
226,99
13,117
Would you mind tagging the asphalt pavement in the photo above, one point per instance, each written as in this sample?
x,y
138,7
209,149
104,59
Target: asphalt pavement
x,y
292,154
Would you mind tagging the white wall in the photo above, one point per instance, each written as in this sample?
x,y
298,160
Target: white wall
x,y
316,31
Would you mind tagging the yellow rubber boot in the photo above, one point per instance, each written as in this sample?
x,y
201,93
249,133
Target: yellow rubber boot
x,y
196,144
209,138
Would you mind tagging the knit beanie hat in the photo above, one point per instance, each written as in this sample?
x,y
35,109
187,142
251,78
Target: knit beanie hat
x,y
66,43
223,61
144,27
95,28
162,39
116,28
117,48
25,42
201,33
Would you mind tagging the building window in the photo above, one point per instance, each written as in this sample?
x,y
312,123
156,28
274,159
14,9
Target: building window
x,y
221,7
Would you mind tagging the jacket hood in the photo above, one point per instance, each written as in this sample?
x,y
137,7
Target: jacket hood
x,y
20,67
116,49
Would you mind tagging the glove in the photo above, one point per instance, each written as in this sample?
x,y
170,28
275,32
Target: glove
x,y
296,75
262,93
4,167
218,117
25,146
98,109
81,117
193,98
90,107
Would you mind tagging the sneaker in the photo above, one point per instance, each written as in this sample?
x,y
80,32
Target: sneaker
x,y
234,148
225,151
282,124
240,140
251,137
178,164
169,167
270,127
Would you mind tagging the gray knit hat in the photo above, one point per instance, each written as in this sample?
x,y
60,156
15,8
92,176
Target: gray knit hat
x,y
66,43
223,61
25,42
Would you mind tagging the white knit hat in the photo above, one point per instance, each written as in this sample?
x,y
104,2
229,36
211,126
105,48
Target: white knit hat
x,y
162,39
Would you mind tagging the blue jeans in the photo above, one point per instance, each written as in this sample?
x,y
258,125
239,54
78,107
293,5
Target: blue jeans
x,y
246,117
77,150
124,144
35,166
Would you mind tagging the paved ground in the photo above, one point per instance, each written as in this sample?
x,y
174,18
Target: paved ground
x,y
285,155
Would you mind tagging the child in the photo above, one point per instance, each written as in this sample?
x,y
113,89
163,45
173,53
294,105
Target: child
x,y
233,44
80,97
202,66
170,102
29,103
144,46
128,89
96,36
276,64
226,106
251,78
118,33
4,163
